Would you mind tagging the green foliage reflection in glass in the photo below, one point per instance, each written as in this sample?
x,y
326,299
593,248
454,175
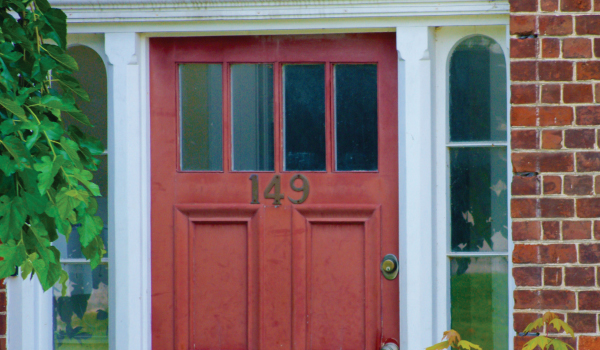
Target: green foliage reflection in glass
x,y
478,91
81,317
46,170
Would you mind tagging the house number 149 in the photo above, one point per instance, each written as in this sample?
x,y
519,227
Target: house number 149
x,y
273,190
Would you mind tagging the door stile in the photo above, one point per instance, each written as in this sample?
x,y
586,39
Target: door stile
x,y
255,230
181,319
373,279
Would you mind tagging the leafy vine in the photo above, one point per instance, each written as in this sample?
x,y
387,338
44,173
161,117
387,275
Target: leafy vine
x,y
46,180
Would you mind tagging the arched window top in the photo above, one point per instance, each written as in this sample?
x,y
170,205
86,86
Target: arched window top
x,y
477,91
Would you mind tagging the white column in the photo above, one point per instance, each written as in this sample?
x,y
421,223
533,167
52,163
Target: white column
x,y
29,312
129,320
415,138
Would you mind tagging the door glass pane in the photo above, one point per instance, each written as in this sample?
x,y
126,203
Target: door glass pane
x,y
478,91
252,114
81,317
304,116
356,116
478,199
201,116
479,297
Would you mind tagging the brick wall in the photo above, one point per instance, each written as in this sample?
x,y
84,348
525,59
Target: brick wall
x,y
555,128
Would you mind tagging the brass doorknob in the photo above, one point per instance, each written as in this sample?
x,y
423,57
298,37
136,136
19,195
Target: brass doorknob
x,y
389,267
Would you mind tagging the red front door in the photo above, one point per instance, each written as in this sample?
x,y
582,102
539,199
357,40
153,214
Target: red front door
x,y
274,191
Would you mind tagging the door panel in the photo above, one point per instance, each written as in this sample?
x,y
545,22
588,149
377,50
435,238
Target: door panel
x,y
301,275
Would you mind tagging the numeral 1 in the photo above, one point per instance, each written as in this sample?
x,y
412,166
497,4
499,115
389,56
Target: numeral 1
x,y
254,179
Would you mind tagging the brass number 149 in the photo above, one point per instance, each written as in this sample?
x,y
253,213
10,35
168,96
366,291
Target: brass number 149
x,y
273,190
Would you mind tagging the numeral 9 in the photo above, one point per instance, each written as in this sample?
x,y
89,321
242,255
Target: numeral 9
x,y
305,188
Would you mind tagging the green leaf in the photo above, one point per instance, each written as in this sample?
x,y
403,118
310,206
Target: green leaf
x,y
7,166
17,150
94,145
66,201
13,255
558,323
57,22
82,118
60,56
68,83
539,323
58,102
35,202
560,345
540,341
43,5
13,107
47,171
52,129
71,148
91,226
7,52
64,277
85,177
439,346
14,213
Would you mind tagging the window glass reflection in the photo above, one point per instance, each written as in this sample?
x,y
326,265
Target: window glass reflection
x,y
478,91
252,116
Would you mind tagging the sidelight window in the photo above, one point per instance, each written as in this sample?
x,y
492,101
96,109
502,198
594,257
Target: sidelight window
x,y
476,151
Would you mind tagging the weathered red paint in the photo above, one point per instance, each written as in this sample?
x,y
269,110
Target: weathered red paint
x,y
227,274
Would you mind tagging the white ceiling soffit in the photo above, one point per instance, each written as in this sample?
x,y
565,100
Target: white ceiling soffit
x,y
98,11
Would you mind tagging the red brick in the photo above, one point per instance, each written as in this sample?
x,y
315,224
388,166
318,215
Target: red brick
x,y
597,43
3,324
556,25
588,161
520,342
527,299
597,231
589,253
2,302
522,25
552,276
557,253
527,276
555,116
577,230
522,71
588,115
552,139
577,48
579,185
588,207
523,48
589,343
551,93
557,299
589,300
578,93
543,162
598,85
575,5
597,5
521,94
3,344
580,138
550,48
588,70
523,208
557,207
587,24
580,276
524,139
582,323
551,230
555,71
523,116
525,254
552,185
522,319
526,230
523,5
548,6
525,185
